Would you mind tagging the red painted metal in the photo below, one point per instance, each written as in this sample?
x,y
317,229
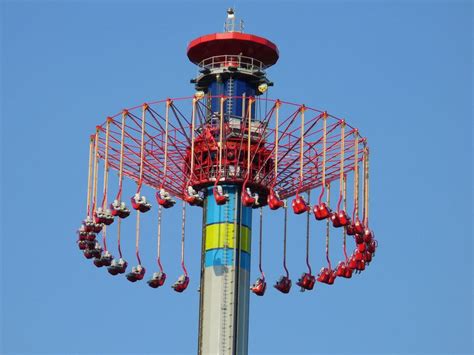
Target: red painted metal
x,y
233,43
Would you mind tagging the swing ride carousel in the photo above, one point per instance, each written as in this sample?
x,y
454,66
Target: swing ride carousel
x,y
227,150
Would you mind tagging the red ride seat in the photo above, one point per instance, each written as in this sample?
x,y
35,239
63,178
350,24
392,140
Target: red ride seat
x,y
274,201
140,203
119,209
247,200
219,195
327,276
117,267
340,219
82,244
181,284
157,280
321,211
361,247
360,265
88,224
350,229
343,270
372,246
88,253
353,263
306,282
367,257
259,287
137,273
359,226
359,238
367,235
283,284
192,197
299,205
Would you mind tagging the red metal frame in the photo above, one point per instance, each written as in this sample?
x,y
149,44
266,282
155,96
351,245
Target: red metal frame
x,y
235,153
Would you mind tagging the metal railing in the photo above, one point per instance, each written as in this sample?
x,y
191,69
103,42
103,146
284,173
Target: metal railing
x,y
234,61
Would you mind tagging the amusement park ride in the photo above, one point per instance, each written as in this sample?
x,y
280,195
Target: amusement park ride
x,y
226,150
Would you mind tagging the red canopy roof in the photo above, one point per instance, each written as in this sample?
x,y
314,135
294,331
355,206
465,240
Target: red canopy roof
x,y
233,43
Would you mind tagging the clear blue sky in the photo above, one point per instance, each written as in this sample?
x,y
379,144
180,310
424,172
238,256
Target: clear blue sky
x,y
400,71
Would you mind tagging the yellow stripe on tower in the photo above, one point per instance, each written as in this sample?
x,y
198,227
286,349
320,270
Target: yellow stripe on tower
x,y
216,236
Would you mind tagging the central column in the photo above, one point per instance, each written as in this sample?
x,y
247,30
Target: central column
x,y
225,275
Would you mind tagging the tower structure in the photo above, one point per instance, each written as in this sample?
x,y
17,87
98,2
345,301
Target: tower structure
x,y
227,150
231,64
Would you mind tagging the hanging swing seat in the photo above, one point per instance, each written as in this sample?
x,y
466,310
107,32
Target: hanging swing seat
x,y
359,238
283,284
181,284
299,205
103,216
106,258
361,247
192,197
340,219
119,209
367,235
117,267
321,211
306,282
259,286
361,265
137,273
359,226
164,199
88,224
249,199
219,195
343,270
350,229
140,203
88,254
82,244
82,232
157,280
274,201
98,262
327,276
367,257
352,263
372,246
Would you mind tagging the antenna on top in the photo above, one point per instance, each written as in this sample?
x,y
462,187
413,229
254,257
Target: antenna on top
x,y
229,25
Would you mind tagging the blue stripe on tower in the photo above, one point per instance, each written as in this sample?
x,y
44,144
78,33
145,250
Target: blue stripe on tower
x,y
216,213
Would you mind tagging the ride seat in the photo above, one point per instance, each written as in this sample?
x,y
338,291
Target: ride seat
x,y
359,226
137,273
274,201
249,199
321,211
157,280
299,205
140,203
82,244
181,284
117,267
164,199
306,281
283,284
339,219
367,235
119,209
219,195
259,287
